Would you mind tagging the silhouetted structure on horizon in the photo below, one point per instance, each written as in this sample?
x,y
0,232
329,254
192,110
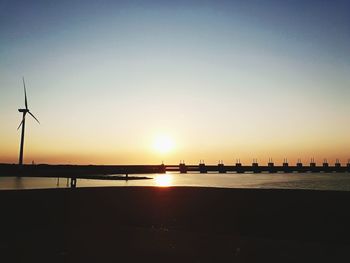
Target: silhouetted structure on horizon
x,y
271,167
23,123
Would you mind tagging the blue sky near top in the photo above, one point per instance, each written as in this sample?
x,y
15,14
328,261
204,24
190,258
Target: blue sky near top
x,y
221,78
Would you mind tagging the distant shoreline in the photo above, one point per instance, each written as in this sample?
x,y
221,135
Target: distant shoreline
x,y
86,171
97,172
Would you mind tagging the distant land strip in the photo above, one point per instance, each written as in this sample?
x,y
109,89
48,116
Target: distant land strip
x,y
115,171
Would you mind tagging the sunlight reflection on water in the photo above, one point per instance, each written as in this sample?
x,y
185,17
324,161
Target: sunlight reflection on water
x,y
163,180
322,181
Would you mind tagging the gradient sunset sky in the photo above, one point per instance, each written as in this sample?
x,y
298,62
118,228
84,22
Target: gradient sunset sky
x,y
222,79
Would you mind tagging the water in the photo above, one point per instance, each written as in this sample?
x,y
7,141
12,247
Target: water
x,y
316,181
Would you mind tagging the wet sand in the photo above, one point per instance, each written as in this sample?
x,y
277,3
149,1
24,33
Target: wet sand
x,y
149,224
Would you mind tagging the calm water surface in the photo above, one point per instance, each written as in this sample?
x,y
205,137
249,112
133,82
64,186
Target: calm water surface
x,y
323,181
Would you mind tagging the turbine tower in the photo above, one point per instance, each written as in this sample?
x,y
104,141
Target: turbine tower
x,y
23,123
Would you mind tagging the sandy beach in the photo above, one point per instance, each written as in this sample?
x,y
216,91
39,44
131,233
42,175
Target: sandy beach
x,y
132,224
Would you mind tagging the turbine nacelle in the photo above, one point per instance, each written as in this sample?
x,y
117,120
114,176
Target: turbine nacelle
x,y
26,110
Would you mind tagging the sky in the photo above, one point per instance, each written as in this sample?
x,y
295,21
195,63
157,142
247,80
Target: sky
x,y
207,80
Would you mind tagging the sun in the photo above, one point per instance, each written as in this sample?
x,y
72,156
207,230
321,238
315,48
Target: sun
x,y
163,144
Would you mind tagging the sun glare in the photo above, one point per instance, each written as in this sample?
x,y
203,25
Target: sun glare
x,y
163,180
163,144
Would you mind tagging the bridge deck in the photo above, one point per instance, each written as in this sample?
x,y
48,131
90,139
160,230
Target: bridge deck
x,y
256,169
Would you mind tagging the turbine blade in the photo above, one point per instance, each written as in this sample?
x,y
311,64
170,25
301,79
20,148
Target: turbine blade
x,y
20,125
33,117
25,94
24,116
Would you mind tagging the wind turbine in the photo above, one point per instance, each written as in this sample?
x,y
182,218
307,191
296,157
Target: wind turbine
x,y
23,123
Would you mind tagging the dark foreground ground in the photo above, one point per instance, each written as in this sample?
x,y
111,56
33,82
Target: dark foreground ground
x,y
178,224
